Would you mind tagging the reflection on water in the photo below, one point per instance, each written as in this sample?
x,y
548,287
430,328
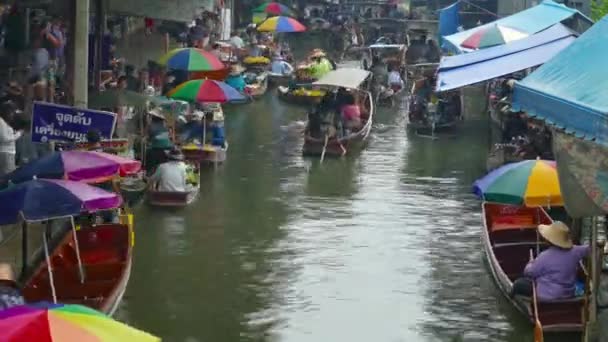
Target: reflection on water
x,y
381,246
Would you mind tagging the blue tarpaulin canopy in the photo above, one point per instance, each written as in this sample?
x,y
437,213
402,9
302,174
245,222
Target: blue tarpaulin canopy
x,y
481,65
532,20
571,90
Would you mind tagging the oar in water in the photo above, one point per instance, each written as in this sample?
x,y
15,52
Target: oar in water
x,y
538,328
324,147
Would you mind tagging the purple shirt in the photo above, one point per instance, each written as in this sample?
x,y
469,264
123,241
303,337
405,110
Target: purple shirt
x,y
555,270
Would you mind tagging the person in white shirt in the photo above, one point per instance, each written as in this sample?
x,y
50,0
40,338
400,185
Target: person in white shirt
x,y
171,176
236,41
395,81
280,67
8,137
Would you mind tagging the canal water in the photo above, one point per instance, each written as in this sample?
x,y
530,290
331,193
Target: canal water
x,y
383,245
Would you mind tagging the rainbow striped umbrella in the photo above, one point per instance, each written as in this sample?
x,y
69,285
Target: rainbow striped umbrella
x,y
532,183
46,322
191,59
492,36
281,24
205,91
273,8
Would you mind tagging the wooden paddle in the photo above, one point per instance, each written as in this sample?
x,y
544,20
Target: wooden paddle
x,y
324,147
538,328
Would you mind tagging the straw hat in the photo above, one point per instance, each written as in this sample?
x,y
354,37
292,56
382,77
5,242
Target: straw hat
x,y
156,113
557,233
236,70
6,272
317,53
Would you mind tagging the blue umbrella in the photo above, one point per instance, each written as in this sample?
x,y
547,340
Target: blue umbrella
x,y
43,199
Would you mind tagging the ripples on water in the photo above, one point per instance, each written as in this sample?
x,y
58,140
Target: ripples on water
x,y
380,246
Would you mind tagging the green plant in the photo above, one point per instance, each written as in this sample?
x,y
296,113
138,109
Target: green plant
x,y
599,8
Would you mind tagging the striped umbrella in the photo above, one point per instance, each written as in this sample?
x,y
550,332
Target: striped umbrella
x,y
205,91
281,24
530,182
191,59
273,8
46,322
492,36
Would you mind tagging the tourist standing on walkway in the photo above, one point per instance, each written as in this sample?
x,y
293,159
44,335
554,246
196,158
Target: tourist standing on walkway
x,y
39,69
8,138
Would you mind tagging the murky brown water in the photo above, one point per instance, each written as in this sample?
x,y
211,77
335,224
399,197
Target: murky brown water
x,y
381,246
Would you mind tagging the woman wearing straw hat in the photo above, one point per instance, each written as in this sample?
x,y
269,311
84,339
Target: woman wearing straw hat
x,y
555,269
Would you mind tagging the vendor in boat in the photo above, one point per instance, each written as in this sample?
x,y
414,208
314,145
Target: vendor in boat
x,y
319,67
191,128
156,152
157,123
171,175
280,67
10,295
555,269
236,79
350,113
395,82
217,130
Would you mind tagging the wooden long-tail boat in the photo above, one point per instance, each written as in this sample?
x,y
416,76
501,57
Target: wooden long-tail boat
x,y
172,198
509,233
105,252
339,145
159,198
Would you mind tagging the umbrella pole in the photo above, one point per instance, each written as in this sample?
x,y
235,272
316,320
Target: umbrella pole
x,y
77,248
204,127
49,268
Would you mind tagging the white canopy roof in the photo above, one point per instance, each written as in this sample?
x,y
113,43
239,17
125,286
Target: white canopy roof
x,y
344,77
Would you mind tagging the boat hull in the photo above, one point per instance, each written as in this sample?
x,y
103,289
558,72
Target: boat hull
x,y
337,147
213,155
172,199
507,252
106,254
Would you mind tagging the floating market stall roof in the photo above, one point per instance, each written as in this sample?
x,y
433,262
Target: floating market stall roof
x,y
570,91
344,77
532,20
481,65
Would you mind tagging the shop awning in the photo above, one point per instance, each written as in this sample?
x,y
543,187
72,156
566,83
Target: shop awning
x,y
344,77
482,65
571,90
532,20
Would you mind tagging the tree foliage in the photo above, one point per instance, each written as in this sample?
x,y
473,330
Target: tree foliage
x,y
599,8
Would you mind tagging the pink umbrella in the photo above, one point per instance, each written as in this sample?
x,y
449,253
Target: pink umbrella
x,y
83,166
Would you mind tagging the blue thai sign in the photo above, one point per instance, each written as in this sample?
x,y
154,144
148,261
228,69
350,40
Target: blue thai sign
x,y
52,122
